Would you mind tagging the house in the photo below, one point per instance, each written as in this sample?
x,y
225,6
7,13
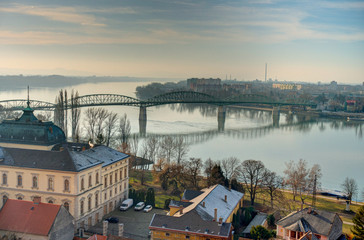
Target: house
x,y
323,225
259,219
205,214
36,161
35,220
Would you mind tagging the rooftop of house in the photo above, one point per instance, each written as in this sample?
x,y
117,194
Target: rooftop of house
x,y
62,160
317,221
190,194
259,219
213,197
190,223
28,217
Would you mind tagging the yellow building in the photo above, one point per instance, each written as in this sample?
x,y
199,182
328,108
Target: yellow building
x,y
36,161
205,214
287,86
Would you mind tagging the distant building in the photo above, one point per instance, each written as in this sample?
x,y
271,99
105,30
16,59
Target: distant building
x,y
36,161
204,84
205,214
287,86
35,220
322,224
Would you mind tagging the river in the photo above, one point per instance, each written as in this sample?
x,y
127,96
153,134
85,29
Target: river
x,y
338,146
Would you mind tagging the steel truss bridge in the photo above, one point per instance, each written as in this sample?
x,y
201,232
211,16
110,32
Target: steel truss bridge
x,y
168,98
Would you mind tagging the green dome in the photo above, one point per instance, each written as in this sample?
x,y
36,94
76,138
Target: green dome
x,y
29,130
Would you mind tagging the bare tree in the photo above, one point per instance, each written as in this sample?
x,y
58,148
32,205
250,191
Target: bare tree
x,y
208,166
90,123
167,148
134,145
124,132
102,115
181,149
153,148
350,188
253,173
301,179
110,128
75,116
44,116
192,170
272,184
231,168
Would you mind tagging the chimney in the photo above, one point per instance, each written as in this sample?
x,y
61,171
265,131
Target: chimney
x,y
203,204
220,222
181,209
104,227
36,200
121,229
215,214
225,198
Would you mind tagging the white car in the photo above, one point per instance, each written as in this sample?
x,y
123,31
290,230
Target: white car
x,y
148,208
139,206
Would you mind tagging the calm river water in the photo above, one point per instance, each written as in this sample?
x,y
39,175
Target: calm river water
x,y
338,146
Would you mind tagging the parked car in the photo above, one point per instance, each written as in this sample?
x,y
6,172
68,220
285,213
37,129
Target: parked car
x,y
126,204
112,220
139,206
148,208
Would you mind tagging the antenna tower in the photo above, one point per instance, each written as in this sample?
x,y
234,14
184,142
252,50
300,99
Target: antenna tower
x,y
265,79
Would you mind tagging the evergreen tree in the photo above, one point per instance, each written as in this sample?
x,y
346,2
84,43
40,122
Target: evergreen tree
x,y
150,198
217,176
260,232
358,220
270,220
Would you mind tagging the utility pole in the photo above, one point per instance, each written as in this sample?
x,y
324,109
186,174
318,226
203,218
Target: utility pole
x,y
265,79
314,193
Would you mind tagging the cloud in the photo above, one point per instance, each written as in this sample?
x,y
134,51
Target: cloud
x,y
343,5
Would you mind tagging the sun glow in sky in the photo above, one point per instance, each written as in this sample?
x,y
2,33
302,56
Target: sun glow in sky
x,y
300,40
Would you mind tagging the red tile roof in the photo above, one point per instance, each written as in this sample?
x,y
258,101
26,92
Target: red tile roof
x,y
27,217
97,237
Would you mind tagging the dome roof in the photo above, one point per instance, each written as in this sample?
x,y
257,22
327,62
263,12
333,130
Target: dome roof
x,y
29,130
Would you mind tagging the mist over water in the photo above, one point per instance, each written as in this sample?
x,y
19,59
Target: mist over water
x,y
338,146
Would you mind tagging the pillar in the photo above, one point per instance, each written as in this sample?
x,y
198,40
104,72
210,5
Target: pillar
x,y
121,230
275,116
142,120
104,227
221,113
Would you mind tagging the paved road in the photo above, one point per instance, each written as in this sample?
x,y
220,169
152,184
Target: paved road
x,y
136,223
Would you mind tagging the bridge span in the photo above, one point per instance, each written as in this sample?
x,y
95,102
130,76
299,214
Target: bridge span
x,y
95,100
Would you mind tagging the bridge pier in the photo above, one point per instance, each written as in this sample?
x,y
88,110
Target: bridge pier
x,y
142,121
221,114
275,116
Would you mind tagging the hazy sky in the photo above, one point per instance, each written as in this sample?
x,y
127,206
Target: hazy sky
x,y
300,40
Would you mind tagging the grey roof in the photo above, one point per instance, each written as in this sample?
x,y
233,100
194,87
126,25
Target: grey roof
x,y
319,221
64,160
190,194
216,199
29,130
259,219
175,203
192,222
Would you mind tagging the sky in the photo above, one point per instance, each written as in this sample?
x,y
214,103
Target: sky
x,y
308,41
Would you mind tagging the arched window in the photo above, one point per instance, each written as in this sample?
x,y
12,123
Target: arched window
x,y
35,182
66,185
5,178
82,184
20,180
96,200
50,184
5,198
81,207
89,203
90,181
50,201
97,178
66,206
20,198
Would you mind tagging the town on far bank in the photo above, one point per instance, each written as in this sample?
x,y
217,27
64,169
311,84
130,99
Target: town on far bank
x,y
107,184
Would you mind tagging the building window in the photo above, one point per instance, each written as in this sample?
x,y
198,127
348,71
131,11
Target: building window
x,y
110,193
125,173
116,176
66,185
82,184
96,200
97,178
105,196
187,237
90,181
50,184
66,206
110,179
121,175
20,198
81,207
116,190
5,179
50,201
89,203
35,182
167,234
105,181
5,198
20,180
